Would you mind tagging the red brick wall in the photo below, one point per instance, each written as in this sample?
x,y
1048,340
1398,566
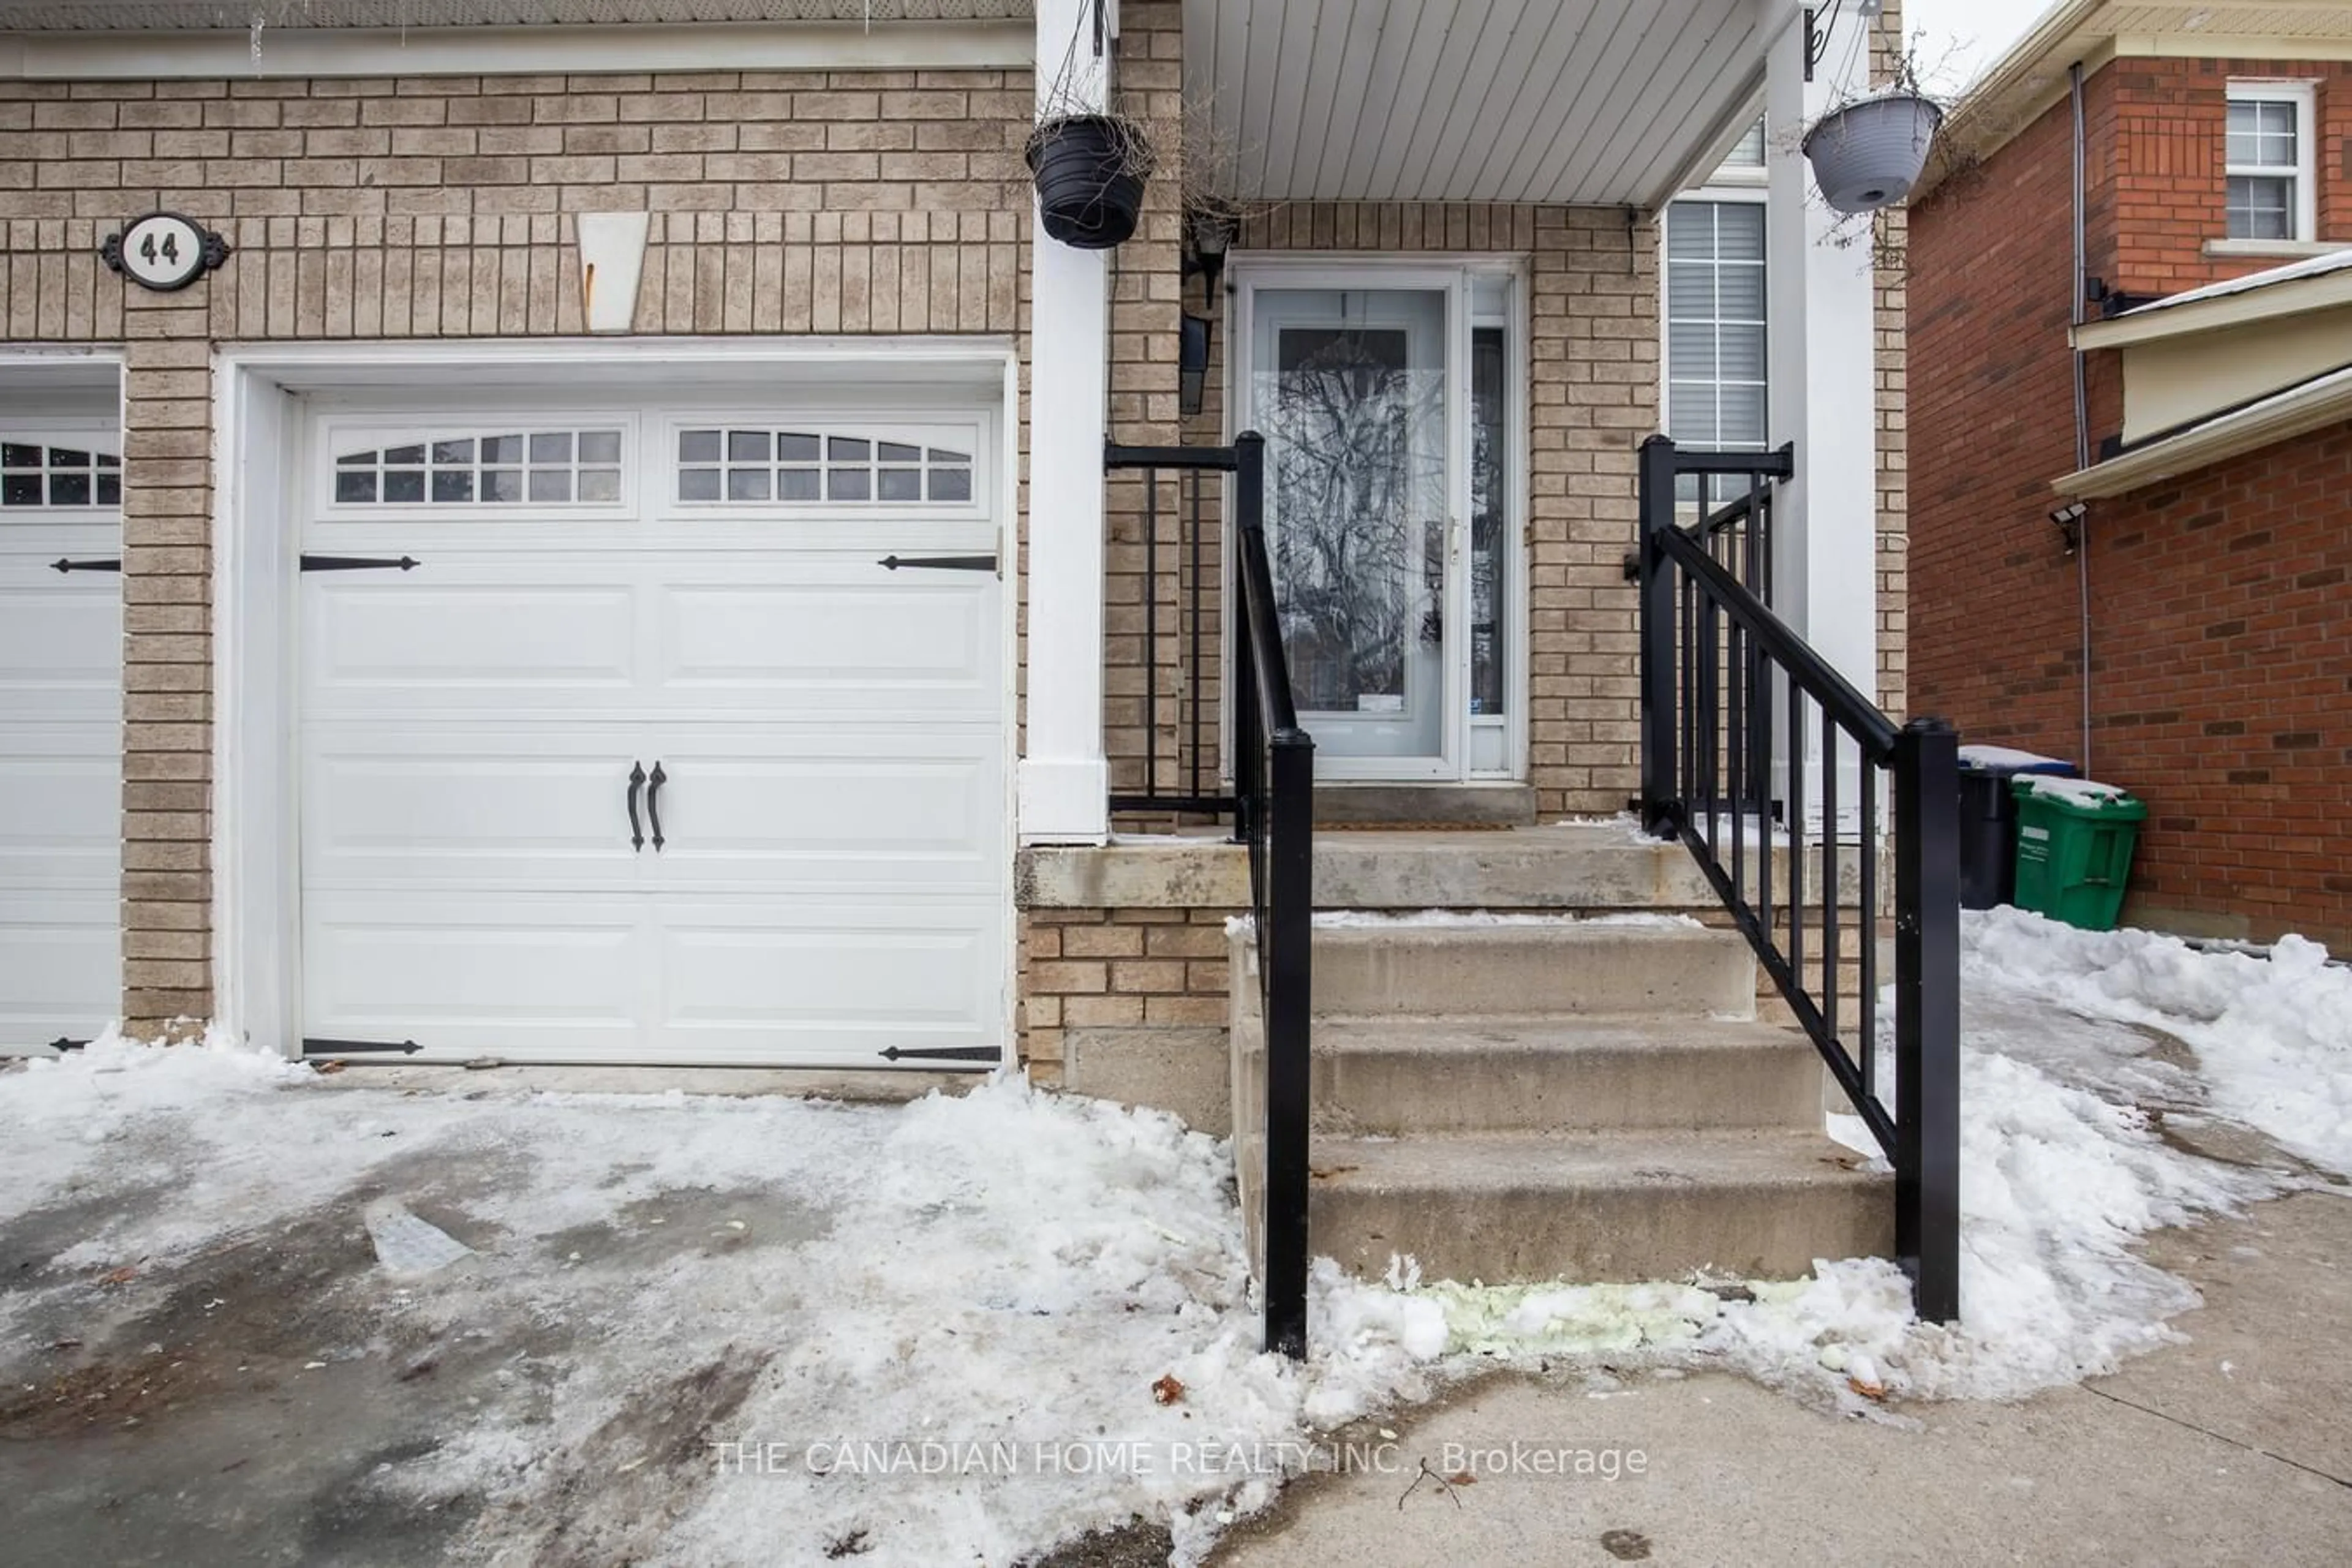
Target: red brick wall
x,y
2167,165
2214,602
2222,654
1993,636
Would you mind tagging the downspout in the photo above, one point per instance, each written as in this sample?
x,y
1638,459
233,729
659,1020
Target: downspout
x,y
2082,413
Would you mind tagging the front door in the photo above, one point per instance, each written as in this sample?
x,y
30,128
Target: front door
x,y
1350,390
1392,499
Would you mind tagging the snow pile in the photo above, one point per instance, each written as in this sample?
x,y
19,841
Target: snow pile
x,y
1049,1290
2272,1038
757,1319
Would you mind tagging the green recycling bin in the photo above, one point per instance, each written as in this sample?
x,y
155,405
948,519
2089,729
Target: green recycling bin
x,y
2075,843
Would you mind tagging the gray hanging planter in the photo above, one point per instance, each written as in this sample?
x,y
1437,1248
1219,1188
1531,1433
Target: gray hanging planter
x,y
1868,155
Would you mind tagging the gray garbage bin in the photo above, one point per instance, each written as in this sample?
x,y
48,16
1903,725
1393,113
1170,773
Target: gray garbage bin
x,y
1988,820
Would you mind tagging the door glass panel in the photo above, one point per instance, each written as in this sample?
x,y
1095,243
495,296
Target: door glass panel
x,y
1349,388
1490,501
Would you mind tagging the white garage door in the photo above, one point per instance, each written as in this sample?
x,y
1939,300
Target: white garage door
x,y
647,756
60,732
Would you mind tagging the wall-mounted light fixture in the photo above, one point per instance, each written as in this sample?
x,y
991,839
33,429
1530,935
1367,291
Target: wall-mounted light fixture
x,y
1191,364
1207,235
2069,519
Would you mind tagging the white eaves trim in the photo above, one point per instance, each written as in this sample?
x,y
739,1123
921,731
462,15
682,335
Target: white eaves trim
x,y
2323,400
517,51
2315,283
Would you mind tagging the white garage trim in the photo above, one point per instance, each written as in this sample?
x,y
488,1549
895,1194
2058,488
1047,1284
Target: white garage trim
x,y
258,520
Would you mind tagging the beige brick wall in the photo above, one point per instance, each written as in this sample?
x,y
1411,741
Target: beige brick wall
x,y
1097,968
1593,377
1143,332
1891,371
785,201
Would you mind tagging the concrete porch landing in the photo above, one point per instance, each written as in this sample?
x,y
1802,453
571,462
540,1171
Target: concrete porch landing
x,y
1563,866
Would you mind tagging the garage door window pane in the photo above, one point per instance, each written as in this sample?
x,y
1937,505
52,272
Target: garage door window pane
x,y
754,466
499,467
32,475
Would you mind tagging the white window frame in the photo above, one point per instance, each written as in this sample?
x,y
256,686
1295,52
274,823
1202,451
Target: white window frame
x,y
2303,210
1716,191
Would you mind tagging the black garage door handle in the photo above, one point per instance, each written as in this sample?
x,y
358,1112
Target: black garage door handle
x,y
653,802
636,783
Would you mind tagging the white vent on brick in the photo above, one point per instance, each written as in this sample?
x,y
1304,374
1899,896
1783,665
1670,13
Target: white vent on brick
x,y
181,15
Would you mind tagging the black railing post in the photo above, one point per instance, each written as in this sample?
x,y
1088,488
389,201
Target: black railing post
x,y
1290,915
1926,1016
1249,517
1661,797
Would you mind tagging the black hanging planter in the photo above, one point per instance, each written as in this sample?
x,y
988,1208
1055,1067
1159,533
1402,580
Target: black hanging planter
x,y
1089,171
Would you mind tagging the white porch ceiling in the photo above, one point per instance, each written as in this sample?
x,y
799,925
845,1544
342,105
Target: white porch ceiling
x,y
1584,101
196,15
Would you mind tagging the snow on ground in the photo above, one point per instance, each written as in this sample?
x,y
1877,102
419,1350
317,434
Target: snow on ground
x,y
1006,1274
2272,1036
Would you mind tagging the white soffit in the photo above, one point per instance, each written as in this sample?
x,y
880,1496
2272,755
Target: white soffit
x,y
1603,103
181,15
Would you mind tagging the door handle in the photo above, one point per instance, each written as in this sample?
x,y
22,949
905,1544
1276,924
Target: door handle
x,y
636,783
653,801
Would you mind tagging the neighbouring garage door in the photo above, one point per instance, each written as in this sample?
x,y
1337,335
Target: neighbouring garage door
x,y
621,743
61,732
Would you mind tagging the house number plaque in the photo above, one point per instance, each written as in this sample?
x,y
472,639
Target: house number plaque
x,y
163,251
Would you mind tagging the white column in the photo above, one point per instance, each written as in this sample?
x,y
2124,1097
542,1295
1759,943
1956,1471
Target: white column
x,y
1822,380
1064,783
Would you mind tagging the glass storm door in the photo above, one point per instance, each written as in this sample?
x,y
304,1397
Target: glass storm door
x,y
1351,389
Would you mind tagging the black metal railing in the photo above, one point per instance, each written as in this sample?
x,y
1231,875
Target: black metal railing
x,y
1731,699
1273,804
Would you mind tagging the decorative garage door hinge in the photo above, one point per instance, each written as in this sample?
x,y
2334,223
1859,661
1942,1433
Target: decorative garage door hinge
x,y
359,564
945,1054
62,1045
942,562
111,564
312,1047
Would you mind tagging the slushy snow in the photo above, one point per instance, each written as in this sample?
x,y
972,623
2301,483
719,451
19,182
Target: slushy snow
x,y
1011,1265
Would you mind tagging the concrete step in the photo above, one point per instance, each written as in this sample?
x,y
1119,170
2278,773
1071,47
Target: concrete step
x,y
1408,1075
1571,968
1596,1206
1568,866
